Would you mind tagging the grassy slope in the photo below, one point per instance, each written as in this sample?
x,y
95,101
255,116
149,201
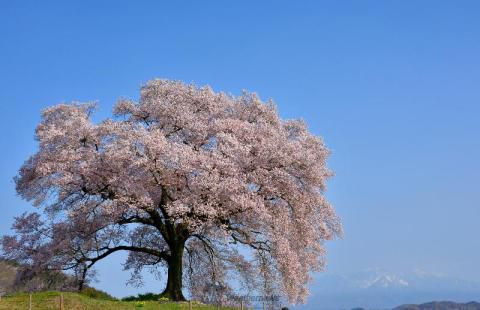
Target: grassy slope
x,y
74,301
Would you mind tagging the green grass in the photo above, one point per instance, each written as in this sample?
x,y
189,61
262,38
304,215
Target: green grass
x,y
75,301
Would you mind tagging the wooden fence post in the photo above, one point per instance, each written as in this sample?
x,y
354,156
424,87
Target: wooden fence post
x,y
30,301
241,304
189,305
61,301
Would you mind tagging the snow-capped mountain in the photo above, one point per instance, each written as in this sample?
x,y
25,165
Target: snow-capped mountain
x,y
385,281
379,289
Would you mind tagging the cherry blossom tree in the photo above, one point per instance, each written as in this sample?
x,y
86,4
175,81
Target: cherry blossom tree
x,y
207,186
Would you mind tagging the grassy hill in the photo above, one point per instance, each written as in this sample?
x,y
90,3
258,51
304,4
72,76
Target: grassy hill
x,y
75,301
15,278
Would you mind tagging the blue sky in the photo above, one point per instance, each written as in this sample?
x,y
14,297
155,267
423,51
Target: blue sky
x,y
392,86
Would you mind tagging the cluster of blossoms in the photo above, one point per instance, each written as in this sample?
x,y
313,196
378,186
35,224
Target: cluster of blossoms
x,y
186,179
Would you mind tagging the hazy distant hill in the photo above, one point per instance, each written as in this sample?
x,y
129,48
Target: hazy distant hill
x,y
8,274
14,278
442,305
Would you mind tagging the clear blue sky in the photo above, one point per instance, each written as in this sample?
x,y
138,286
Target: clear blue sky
x,y
392,86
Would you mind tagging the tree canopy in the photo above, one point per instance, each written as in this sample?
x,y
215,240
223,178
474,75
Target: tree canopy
x,y
207,186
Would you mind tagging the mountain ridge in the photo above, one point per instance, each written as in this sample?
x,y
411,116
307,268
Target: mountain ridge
x,y
441,305
380,289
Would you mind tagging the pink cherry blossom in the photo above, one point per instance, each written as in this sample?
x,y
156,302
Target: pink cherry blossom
x,y
209,186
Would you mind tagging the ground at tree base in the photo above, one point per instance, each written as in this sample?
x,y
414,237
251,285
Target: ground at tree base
x,y
75,301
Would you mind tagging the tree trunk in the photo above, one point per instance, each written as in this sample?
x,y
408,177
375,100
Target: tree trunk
x,y
173,291
81,282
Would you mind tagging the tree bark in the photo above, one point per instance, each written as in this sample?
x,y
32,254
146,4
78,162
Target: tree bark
x,y
81,282
173,291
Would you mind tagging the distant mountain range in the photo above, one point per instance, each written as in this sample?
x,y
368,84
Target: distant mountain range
x,y
378,289
443,305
